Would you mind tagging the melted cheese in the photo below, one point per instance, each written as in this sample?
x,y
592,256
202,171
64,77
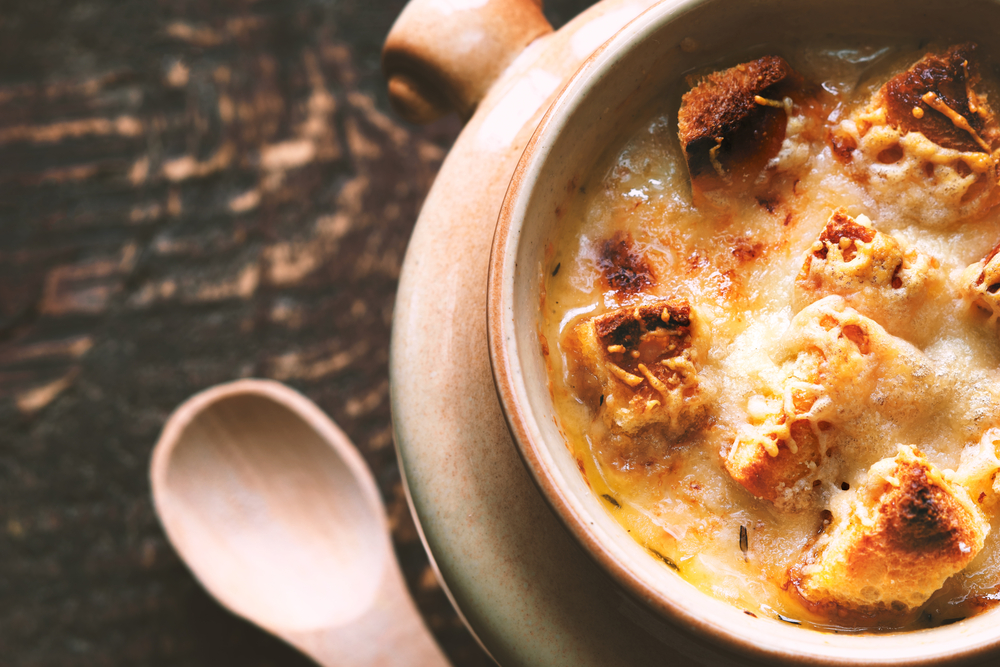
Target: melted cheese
x,y
929,379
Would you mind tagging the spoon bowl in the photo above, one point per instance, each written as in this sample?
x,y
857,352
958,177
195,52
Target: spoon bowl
x,y
277,515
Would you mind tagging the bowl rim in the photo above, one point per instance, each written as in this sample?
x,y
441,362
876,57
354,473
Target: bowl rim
x,y
936,646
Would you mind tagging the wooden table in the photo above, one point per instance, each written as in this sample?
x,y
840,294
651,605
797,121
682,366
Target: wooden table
x,y
190,192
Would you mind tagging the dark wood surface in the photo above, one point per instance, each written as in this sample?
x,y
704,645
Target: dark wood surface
x,y
190,192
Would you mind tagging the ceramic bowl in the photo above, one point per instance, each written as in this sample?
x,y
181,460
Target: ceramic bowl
x,y
613,90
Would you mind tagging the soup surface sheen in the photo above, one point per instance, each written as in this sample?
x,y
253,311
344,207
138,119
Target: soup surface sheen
x,y
632,235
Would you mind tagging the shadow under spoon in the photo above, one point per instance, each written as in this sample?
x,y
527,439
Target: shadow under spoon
x,y
277,515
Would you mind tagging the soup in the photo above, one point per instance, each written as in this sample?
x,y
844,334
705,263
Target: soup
x,y
770,328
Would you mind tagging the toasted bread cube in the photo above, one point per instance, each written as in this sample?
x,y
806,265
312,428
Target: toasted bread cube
x,y
733,123
876,273
981,284
786,476
647,362
907,530
926,144
836,367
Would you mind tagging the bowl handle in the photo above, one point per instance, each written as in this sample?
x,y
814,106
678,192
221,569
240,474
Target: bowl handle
x,y
443,55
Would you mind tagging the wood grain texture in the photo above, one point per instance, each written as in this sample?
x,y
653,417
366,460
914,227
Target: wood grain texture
x,y
275,512
190,192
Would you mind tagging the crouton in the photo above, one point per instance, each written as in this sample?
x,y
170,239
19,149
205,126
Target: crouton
x,y
907,530
785,477
647,360
876,273
733,123
926,143
981,284
837,369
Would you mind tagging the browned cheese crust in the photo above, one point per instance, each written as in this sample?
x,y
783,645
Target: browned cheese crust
x,y
647,361
907,531
811,422
926,142
876,273
733,122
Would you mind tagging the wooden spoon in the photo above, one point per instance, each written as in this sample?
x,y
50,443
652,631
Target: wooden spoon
x,y
278,517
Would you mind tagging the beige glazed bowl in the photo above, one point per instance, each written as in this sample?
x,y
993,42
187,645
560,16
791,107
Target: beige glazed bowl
x,y
643,65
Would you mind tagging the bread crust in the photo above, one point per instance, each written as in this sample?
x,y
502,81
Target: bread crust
x,y
727,134
926,144
647,360
951,77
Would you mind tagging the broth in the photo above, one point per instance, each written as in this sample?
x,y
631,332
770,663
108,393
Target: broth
x,y
632,235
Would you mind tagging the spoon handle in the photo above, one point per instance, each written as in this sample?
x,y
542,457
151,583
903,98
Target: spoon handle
x,y
389,633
